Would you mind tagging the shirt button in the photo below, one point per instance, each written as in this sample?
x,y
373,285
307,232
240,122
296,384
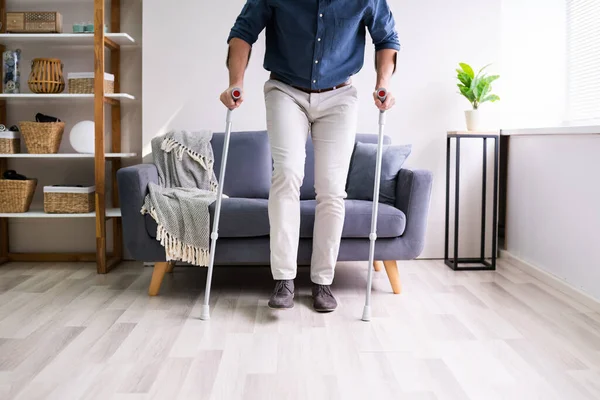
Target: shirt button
x,y
321,15
316,61
319,39
314,81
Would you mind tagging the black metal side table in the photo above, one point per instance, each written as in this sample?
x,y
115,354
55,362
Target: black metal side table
x,y
455,261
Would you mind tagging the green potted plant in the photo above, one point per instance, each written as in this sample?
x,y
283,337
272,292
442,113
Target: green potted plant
x,y
476,88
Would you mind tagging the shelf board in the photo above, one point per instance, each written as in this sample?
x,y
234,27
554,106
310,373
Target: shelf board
x,y
63,39
67,155
110,213
61,96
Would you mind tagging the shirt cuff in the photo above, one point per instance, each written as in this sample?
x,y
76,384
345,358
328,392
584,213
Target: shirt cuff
x,y
387,45
241,35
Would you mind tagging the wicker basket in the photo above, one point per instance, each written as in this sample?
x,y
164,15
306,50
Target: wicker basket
x,y
83,83
69,200
46,76
16,196
10,143
42,137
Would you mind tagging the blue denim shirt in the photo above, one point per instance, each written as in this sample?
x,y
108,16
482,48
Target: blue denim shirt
x,y
316,44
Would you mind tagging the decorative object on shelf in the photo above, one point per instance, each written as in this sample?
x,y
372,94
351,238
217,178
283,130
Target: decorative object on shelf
x,y
83,83
81,137
42,137
16,193
88,27
78,28
60,199
10,142
46,76
477,90
12,71
33,22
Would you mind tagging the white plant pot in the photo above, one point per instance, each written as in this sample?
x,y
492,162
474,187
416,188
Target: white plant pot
x,y
473,118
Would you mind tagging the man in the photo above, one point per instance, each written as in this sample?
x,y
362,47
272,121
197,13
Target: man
x,y
313,47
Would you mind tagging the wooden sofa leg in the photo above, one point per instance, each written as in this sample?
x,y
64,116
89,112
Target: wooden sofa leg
x,y
391,267
377,265
171,266
160,269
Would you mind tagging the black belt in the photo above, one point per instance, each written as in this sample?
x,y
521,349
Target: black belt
x,y
305,90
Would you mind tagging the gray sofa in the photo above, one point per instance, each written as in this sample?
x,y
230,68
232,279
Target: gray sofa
x,y
244,227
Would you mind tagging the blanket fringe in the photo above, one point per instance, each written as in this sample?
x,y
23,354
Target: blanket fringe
x,y
175,250
171,145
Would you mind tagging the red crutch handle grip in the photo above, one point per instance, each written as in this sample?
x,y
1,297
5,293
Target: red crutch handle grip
x,y
236,94
381,94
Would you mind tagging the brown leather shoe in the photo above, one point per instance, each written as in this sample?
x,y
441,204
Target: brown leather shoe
x,y
323,300
283,295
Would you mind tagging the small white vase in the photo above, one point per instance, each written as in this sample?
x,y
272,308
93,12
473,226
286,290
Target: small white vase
x,y
473,118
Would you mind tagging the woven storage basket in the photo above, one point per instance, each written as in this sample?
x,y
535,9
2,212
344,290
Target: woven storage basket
x,y
46,76
69,200
42,137
16,196
10,143
83,83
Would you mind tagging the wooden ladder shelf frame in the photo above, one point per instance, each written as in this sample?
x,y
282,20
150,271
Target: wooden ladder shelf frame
x,y
104,261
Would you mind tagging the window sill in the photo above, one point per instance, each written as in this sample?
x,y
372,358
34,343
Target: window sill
x,y
559,130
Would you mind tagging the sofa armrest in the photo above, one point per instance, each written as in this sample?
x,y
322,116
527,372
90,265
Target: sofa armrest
x,y
413,198
133,186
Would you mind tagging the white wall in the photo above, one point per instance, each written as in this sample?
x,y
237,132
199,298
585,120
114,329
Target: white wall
x,y
72,235
553,215
184,73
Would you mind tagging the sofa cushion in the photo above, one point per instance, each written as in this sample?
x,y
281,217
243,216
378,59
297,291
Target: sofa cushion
x,y
250,218
307,191
391,222
240,217
249,168
361,176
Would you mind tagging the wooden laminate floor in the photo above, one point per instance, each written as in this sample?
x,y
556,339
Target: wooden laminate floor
x,y
67,333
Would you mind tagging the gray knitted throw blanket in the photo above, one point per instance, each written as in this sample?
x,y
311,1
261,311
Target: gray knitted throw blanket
x,y
187,185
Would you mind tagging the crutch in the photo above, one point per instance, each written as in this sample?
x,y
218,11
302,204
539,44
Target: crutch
x,y
236,94
381,94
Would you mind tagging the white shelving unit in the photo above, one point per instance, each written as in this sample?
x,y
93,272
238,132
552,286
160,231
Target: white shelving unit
x,y
97,45
64,39
110,213
62,96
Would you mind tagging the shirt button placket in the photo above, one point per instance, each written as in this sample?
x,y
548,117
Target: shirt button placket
x,y
317,50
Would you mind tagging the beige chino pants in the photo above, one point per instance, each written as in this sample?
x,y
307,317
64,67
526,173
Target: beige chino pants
x,y
331,119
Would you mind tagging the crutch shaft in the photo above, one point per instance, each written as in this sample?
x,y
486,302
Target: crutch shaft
x,y
215,231
373,234
205,314
381,94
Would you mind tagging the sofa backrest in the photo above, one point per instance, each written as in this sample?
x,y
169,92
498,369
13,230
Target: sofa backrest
x,y
249,165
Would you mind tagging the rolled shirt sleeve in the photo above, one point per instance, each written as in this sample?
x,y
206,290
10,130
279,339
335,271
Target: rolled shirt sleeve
x,y
251,21
382,26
